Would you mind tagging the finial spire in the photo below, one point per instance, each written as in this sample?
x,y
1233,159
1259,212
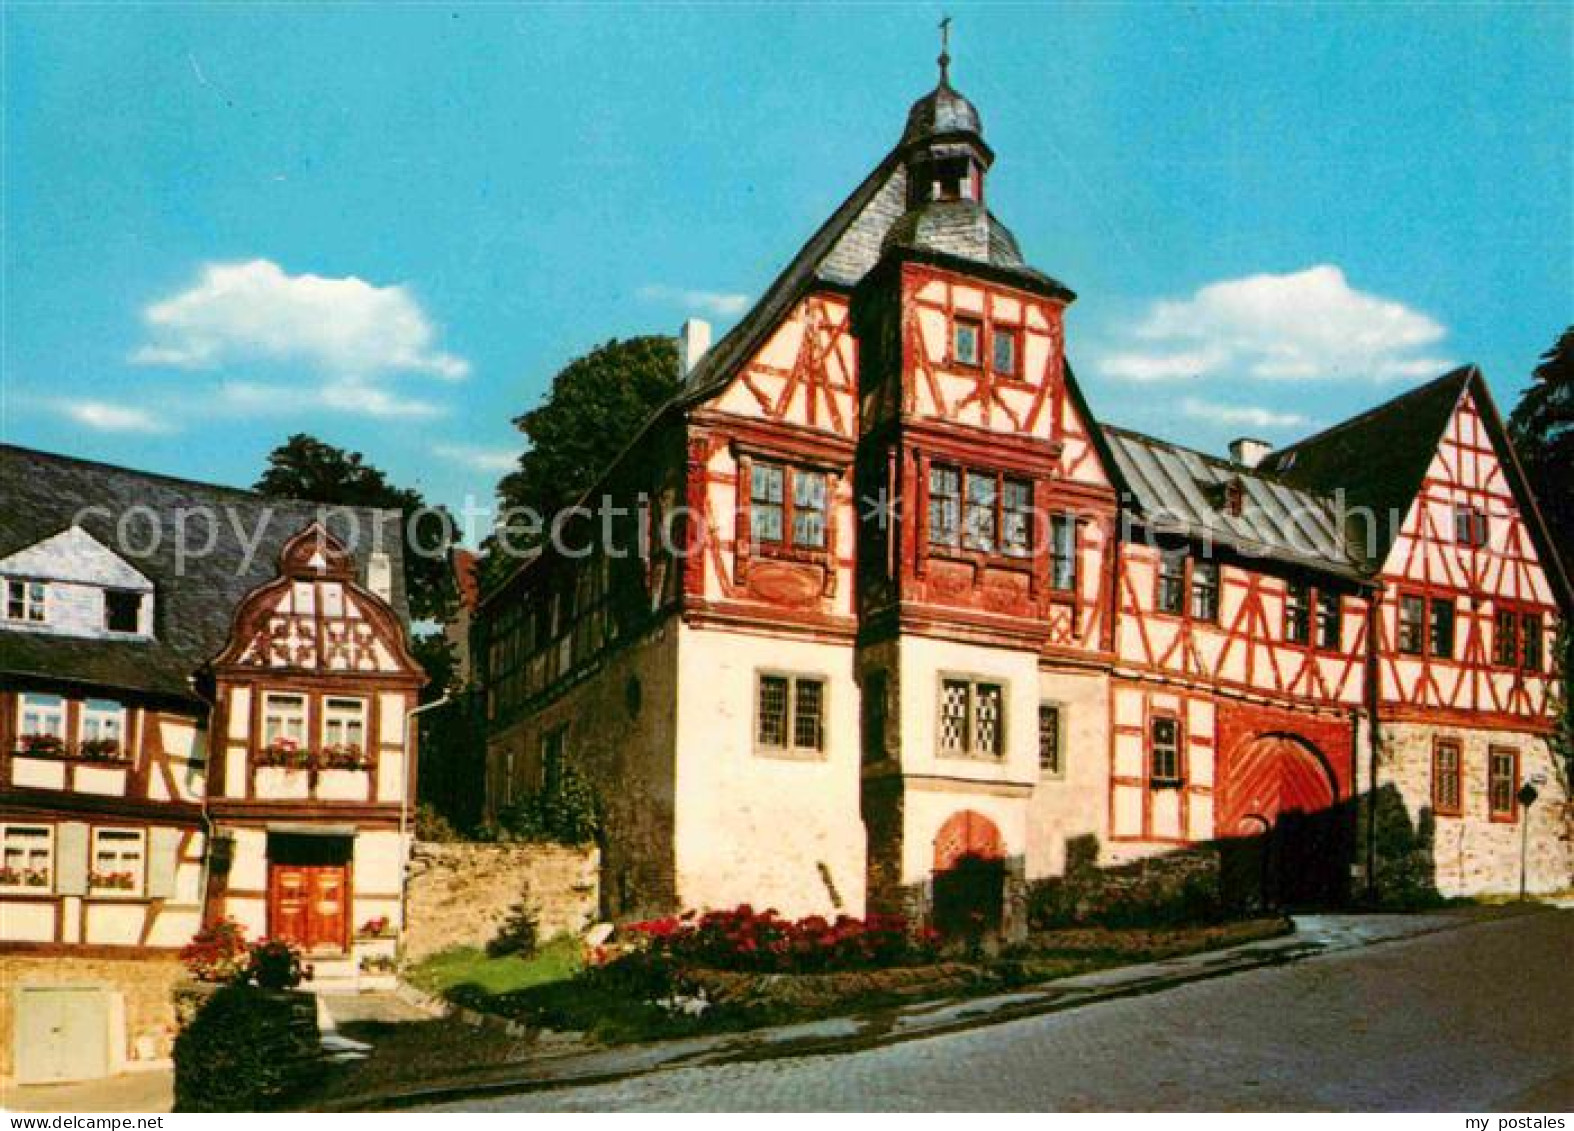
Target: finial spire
x,y
945,51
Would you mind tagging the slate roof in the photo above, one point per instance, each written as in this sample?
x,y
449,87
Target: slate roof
x,y
194,599
1181,491
941,112
1378,458
871,221
966,230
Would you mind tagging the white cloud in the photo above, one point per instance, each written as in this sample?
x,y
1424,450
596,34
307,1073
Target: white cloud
x,y
255,311
254,398
1304,326
1144,367
717,303
106,417
1249,416
478,458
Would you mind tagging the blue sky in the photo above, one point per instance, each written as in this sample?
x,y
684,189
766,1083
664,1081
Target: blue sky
x,y
1274,216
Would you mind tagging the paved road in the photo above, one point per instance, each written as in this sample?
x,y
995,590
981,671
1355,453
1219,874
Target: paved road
x,y
1479,1018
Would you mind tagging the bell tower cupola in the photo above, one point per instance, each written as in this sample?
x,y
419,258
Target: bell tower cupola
x,y
943,144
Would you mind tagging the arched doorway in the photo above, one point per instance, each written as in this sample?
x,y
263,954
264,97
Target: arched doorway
x,y
969,875
1281,798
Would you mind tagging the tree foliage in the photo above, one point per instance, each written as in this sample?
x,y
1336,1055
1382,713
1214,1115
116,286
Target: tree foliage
x,y
597,404
303,467
1542,428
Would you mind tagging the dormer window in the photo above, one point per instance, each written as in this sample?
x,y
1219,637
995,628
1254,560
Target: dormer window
x,y
26,602
122,611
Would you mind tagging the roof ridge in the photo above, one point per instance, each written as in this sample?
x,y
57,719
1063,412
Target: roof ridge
x,y
82,461
246,493
1460,373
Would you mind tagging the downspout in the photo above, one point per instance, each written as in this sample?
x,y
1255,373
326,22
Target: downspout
x,y
404,810
1374,675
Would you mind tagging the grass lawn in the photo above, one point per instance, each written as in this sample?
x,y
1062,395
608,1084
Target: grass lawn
x,y
470,973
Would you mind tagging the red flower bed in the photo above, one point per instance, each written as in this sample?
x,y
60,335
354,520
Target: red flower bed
x,y
762,941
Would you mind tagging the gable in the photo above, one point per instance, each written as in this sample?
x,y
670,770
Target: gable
x,y
1472,466
76,557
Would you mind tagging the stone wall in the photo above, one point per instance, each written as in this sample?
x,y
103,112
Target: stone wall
x,y
1472,854
144,983
460,894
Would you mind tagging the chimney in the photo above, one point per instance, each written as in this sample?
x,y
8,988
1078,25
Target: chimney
x,y
379,575
693,341
1248,452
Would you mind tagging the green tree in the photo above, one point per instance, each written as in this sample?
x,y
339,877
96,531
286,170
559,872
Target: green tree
x,y
303,467
1542,428
597,404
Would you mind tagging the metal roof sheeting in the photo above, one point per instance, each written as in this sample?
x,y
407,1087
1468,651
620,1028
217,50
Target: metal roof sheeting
x,y
1180,491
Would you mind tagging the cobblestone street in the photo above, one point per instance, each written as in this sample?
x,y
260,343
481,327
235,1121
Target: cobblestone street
x,y
1479,1018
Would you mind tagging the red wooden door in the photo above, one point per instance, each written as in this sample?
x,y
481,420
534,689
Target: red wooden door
x,y
307,905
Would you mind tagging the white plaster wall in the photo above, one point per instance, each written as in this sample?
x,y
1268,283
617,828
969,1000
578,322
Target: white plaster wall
x,y
113,922
26,922
379,863
756,828
923,662
1076,802
38,773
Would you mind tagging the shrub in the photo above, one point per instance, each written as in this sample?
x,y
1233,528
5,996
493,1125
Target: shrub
x,y
747,940
217,953
564,811
519,933
275,964
245,1050
432,826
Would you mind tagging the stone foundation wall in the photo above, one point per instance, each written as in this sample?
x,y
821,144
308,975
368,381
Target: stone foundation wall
x,y
145,985
1473,854
460,894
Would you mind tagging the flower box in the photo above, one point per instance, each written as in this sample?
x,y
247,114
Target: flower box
x,y
102,750
111,881
343,756
285,753
42,746
378,928
24,878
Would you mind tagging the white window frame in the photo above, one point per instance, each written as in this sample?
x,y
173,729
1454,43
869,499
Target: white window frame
x,y
95,713
34,597
138,870
337,714
270,716
48,887
57,711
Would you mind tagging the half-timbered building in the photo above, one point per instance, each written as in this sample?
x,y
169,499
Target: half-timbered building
x,y
203,704
886,596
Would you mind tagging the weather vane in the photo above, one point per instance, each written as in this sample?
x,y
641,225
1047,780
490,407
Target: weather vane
x,y
945,49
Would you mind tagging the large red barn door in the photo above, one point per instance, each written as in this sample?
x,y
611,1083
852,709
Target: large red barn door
x,y
1279,793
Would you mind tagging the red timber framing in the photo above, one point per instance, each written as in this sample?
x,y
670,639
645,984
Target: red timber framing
x,y
1479,578
1244,650
1185,786
792,405
977,420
